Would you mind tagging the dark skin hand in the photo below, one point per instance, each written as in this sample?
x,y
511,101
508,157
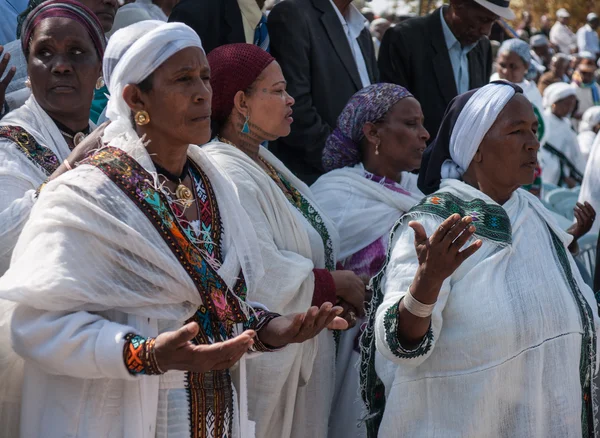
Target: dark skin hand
x,y
9,76
439,256
585,216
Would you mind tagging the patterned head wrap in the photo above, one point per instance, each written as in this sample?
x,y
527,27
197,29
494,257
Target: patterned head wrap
x,y
65,9
467,120
234,67
522,49
368,105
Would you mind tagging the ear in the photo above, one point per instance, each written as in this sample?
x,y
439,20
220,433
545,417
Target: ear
x,y
478,158
371,133
134,98
240,103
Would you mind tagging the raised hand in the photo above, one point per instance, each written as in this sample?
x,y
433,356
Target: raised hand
x,y
9,76
175,351
585,216
350,288
440,255
300,327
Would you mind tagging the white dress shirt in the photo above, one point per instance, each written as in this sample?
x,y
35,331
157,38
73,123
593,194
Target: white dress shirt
x,y
458,57
563,37
587,40
353,24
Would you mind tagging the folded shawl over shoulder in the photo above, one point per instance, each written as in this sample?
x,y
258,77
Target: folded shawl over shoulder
x,y
290,390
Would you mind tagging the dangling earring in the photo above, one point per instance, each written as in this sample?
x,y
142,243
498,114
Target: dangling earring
x,y
246,128
100,83
28,82
377,148
142,118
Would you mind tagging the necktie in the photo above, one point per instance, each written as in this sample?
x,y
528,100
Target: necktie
x,y
261,34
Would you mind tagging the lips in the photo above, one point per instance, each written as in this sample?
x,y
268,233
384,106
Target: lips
x,y
63,88
110,14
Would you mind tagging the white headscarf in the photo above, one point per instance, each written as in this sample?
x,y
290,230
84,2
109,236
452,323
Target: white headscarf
x,y
591,118
472,124
555,92
134,53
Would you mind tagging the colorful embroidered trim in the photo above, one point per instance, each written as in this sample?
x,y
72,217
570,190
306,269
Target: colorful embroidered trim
x,y
587,363
390,323
490,220
138,354
39,155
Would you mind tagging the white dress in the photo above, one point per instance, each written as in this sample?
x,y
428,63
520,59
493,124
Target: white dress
x,y
504,351
591,182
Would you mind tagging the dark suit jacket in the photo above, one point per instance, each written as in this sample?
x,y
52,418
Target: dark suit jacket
x,y
310,44
414,54
217,22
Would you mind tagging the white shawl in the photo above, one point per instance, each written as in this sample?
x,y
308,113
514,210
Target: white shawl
x,y
363,210
289,391
88,248
502,322
590,188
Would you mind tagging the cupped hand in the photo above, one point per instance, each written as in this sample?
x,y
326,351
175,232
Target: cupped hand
x,y
300,327
9,76
440,255
584,216
349,313
350,288
175,351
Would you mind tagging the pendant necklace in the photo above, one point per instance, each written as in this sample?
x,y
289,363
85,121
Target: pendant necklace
x,y
182,192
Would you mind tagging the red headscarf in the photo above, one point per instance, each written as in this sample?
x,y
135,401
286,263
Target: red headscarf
x,y
234,67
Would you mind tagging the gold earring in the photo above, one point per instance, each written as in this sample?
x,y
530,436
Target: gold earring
x,y
142,118
28,82
100,83
377,148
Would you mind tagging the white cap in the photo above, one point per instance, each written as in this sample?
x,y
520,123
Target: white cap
x,y
562,13
586,55
499,7
538,40
592,16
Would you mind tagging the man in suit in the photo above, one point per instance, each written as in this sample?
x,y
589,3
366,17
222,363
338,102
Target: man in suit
x,y
220,22
326,54
443,54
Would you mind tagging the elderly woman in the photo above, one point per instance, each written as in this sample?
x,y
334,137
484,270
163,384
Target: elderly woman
x,y
560,158
588,130
378,141
291,391
64,44
132,272
480,299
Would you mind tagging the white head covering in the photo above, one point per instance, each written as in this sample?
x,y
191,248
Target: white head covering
x,y
562,13
538,40
472,124
591,118
556,92
132,54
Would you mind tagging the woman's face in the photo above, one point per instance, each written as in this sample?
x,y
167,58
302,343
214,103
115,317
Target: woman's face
x,y
269,106
402,136
564,107
507,156
179,100
63,66
511,67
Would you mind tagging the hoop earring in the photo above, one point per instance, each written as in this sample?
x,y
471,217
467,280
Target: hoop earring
x,y
142,118
99,83
377,148
246,128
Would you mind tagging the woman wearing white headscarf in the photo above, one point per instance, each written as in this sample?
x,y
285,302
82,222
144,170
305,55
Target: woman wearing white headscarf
x,y
132,272
560,158
479,299
588,131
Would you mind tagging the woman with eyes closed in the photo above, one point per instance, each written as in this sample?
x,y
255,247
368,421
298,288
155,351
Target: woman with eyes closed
x,y
291,391
480,305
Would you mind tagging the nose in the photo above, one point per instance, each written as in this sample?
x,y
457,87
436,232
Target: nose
x,y
61,65
113,3
290,101
424,134
203,92
533,144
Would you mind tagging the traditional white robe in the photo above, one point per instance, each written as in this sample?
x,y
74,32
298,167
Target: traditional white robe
x,y
585,140
590,188
290,392
560,134
502,357
363,211
89,268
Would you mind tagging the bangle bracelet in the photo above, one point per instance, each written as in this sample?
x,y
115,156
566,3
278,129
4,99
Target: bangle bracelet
x,y
67,164
416,307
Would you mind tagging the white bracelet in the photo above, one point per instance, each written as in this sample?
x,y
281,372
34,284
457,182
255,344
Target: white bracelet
x,y
416,307
67,165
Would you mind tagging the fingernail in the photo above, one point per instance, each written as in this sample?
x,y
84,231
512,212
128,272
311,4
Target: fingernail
x,y
472,229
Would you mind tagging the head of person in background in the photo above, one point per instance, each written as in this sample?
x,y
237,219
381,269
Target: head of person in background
x,y
381,128
379,27
470,20
250,104
368,14
592,20
584,74
514,61
588,130
563,16
560,99
64,43
105,10
560,65
541,47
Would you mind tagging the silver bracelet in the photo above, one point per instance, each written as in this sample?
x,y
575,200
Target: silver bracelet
x,y
416,307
